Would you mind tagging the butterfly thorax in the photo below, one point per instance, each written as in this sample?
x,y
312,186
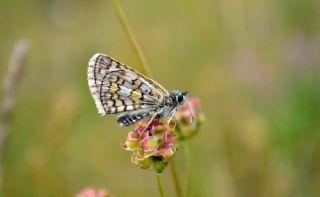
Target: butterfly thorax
x,y
171,102
175,98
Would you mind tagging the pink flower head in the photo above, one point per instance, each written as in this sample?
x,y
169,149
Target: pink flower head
x,y
152,145
93,192
189,119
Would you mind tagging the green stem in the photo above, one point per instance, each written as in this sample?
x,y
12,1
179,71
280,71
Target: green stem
x,y
189,172
175,178
160,186
133,41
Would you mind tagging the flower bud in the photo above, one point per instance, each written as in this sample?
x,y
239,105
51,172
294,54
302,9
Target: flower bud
x,y
188,119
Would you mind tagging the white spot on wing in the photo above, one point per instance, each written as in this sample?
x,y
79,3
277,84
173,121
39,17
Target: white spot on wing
x,y
144,88
110,103
127,84
112,109
124,91
128,102
129,107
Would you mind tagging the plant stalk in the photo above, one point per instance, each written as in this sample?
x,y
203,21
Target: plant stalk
x,y
160,185
175,178
189,169
133,41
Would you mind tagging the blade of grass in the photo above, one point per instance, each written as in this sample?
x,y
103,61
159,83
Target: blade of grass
x,y
10,86
133,41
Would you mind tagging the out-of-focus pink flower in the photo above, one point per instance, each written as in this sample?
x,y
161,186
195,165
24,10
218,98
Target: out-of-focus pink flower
x,y
153,146
93,192
186,127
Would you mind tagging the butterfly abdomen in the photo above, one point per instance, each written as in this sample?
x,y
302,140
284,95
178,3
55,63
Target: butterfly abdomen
x,y
129,119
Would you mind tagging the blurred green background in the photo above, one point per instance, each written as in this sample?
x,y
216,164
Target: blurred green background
x,y
254,65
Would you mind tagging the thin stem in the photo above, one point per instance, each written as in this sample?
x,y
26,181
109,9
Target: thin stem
x,y
175,178
134,43
160,186
188,170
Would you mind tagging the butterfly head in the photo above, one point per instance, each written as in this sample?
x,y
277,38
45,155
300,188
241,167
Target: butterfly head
x,y
178,96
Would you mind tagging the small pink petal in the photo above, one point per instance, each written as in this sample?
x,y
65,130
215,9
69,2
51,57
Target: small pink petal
x,y
166,152
132,136
170,144
194,102
93,192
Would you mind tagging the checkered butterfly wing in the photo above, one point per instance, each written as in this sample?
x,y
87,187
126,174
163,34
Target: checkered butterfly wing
x,y
118,89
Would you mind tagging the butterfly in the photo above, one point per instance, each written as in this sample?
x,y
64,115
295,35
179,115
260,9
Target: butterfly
x,y
119,89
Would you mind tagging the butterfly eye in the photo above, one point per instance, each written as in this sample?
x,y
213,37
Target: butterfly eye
x,y
180,98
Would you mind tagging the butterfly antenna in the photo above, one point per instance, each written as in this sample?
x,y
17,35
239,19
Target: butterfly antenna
x,y
192,121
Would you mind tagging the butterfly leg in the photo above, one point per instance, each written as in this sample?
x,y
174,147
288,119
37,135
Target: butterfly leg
x,y
167,126
171,117
175,122
150,121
